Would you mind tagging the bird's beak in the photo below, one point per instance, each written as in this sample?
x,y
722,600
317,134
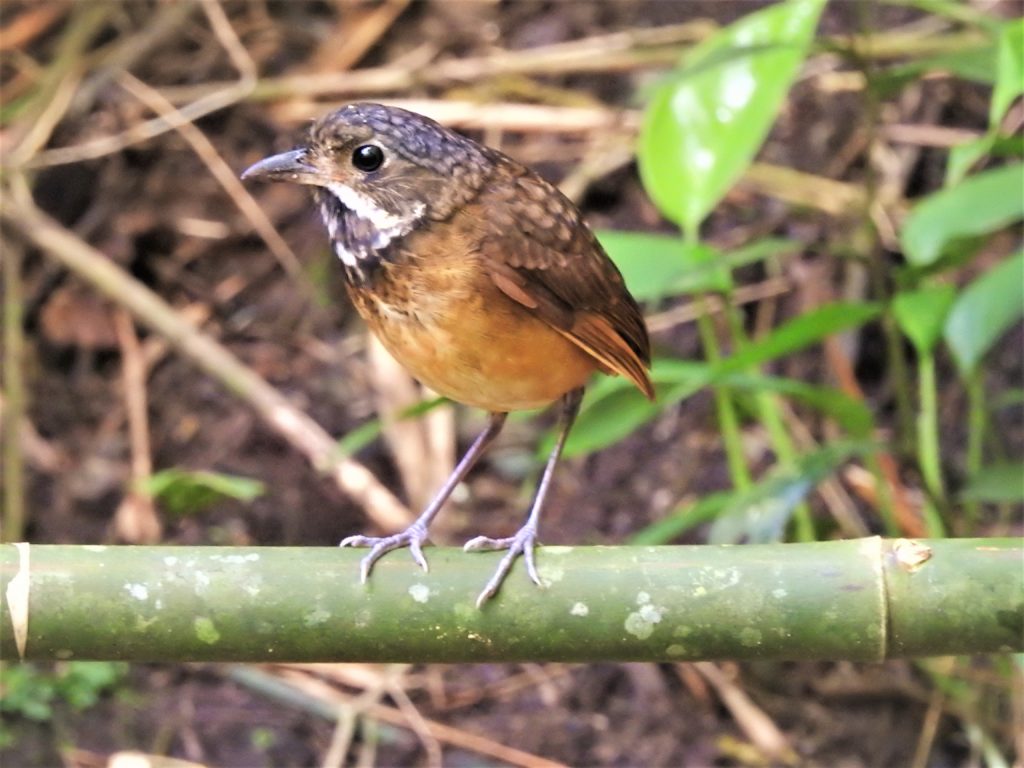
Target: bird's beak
x,y
287,166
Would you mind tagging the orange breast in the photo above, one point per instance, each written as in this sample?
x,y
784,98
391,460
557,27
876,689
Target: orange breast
x,y
460,336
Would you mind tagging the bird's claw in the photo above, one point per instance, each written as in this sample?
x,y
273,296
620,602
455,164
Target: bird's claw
x,y
521,544
412,537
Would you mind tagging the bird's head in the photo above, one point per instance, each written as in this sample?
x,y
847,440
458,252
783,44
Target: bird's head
x,y
378,173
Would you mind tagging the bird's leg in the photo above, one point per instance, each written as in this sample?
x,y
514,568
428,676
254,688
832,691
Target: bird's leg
x,y
525,538
415,535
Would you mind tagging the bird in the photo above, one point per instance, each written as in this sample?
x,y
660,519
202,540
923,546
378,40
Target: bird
x,y
477,275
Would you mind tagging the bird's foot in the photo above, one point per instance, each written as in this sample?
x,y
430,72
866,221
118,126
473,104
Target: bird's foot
x,y
520,544
412,537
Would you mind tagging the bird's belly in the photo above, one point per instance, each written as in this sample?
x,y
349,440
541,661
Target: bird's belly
x,y
488,354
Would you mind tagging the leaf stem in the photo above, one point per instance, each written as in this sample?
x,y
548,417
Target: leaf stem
x,y
728,418
976,422
928,428
768,411
14,389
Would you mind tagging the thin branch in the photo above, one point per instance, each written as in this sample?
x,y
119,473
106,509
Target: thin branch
x,y
136,520
225,175
618,51
691,310
327,700
220,98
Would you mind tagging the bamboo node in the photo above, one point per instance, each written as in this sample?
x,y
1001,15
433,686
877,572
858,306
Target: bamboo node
x,y
911,555
17,598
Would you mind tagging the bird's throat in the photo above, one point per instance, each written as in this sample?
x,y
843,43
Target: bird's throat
x,y
362,233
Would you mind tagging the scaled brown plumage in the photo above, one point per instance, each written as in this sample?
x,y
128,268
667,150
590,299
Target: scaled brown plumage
x,y
476,274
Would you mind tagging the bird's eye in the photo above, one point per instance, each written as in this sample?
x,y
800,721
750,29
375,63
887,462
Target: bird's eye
x,y
368,157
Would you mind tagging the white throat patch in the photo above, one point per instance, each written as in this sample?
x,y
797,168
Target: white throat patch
x,y
386,225
363,207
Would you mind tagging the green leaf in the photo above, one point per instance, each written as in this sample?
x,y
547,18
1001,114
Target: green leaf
x,y
707,121
1009,84
985,310
27,692
852,415
981,204
609,413
682,519
761,250
1009,70
1007,399
963,156
656,266
80,683
955,10
975,63
997,483
760,514
801,331
184,492
612,408
359,437
921,314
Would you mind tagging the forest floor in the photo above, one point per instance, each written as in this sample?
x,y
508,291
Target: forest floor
x,y
157,208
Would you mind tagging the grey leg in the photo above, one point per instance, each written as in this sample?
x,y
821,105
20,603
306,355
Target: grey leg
x,y
524,540
415,535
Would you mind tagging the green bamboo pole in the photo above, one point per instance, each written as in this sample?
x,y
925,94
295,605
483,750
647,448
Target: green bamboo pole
x,y
863,599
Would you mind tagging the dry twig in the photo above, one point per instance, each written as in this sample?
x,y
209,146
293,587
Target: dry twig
x,y
136,520
446,734
753,721
225,175
293,425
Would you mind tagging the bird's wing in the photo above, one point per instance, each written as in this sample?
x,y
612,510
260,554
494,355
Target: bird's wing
x,y
539,253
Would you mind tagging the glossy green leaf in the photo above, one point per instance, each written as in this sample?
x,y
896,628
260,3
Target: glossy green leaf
x,y
1009,70
760,514
984,311
184,492
707,121
921,314
981,204
998,483
1009,84
656,266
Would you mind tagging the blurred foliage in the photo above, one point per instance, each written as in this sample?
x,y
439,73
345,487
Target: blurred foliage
x,y
703,125
31,692
185,492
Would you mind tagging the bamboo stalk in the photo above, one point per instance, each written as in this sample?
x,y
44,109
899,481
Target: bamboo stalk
x,y
861,599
